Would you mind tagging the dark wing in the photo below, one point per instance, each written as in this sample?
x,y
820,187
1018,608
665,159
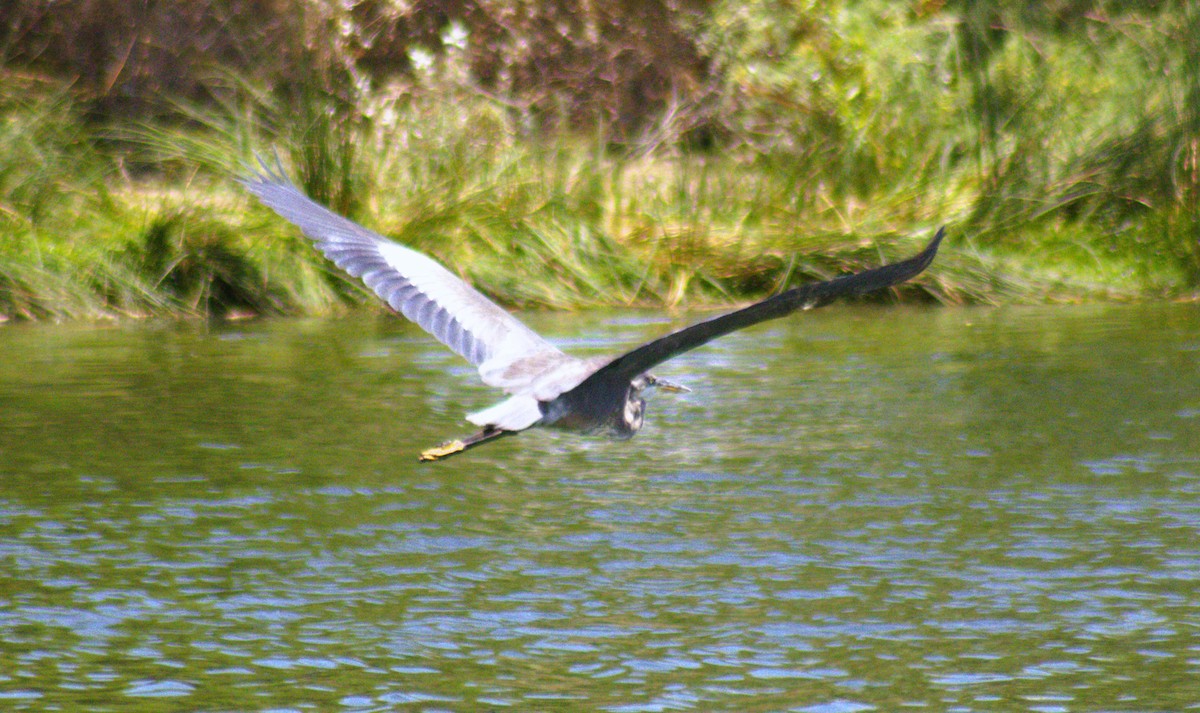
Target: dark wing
x,y
809,296
413,284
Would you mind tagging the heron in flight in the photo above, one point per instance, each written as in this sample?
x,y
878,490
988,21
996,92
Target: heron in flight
x,y
546,387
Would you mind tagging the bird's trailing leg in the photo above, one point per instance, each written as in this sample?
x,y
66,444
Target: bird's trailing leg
x,y
450,448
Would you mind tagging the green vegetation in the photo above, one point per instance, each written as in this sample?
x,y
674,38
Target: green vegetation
x,y
735,148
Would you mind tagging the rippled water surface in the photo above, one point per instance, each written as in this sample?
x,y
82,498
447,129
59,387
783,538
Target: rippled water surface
x,y
859,509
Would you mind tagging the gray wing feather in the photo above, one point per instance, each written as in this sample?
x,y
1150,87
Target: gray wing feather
x,y
414,285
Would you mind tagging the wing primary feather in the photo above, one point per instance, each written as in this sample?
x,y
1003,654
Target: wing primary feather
x,y
808,296
411,283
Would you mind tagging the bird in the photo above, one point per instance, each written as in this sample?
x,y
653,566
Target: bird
x,y
546,387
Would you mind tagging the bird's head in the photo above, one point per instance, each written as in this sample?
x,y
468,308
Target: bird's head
x,y
635,401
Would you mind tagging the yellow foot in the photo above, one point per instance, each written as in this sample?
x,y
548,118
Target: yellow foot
x,y
446,449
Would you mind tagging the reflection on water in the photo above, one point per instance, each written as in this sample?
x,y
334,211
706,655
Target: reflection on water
x,y
860,509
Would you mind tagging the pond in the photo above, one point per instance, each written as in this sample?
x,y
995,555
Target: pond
x,y
857,509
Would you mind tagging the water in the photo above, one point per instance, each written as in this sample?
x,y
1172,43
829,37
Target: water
x,y
855,510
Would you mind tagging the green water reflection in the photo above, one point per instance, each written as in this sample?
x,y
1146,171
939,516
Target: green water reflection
x,y
859,509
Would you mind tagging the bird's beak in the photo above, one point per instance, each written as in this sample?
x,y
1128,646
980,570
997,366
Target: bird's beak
x,y
671,386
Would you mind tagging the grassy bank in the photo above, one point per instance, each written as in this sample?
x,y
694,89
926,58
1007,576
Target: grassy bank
x,y
1065,165
562,225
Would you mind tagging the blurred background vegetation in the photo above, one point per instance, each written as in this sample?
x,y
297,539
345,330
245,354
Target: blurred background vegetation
x,y
569,153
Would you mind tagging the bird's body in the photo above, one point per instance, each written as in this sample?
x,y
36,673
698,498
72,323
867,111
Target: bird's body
x,y
547,387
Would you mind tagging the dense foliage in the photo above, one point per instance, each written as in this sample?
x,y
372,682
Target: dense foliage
x,y
566,153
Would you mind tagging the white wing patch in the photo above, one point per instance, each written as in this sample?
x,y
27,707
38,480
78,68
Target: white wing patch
x,y
515,413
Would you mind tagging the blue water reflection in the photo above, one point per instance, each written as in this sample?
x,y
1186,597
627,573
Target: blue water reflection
x,y
864,509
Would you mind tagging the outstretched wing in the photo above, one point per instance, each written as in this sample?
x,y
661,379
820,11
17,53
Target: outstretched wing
x,y
808,296
413,284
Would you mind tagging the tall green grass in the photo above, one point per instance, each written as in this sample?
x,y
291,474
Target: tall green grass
x,y
840,136
565,223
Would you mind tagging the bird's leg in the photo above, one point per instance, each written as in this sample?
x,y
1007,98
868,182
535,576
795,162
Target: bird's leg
x,y
450,448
